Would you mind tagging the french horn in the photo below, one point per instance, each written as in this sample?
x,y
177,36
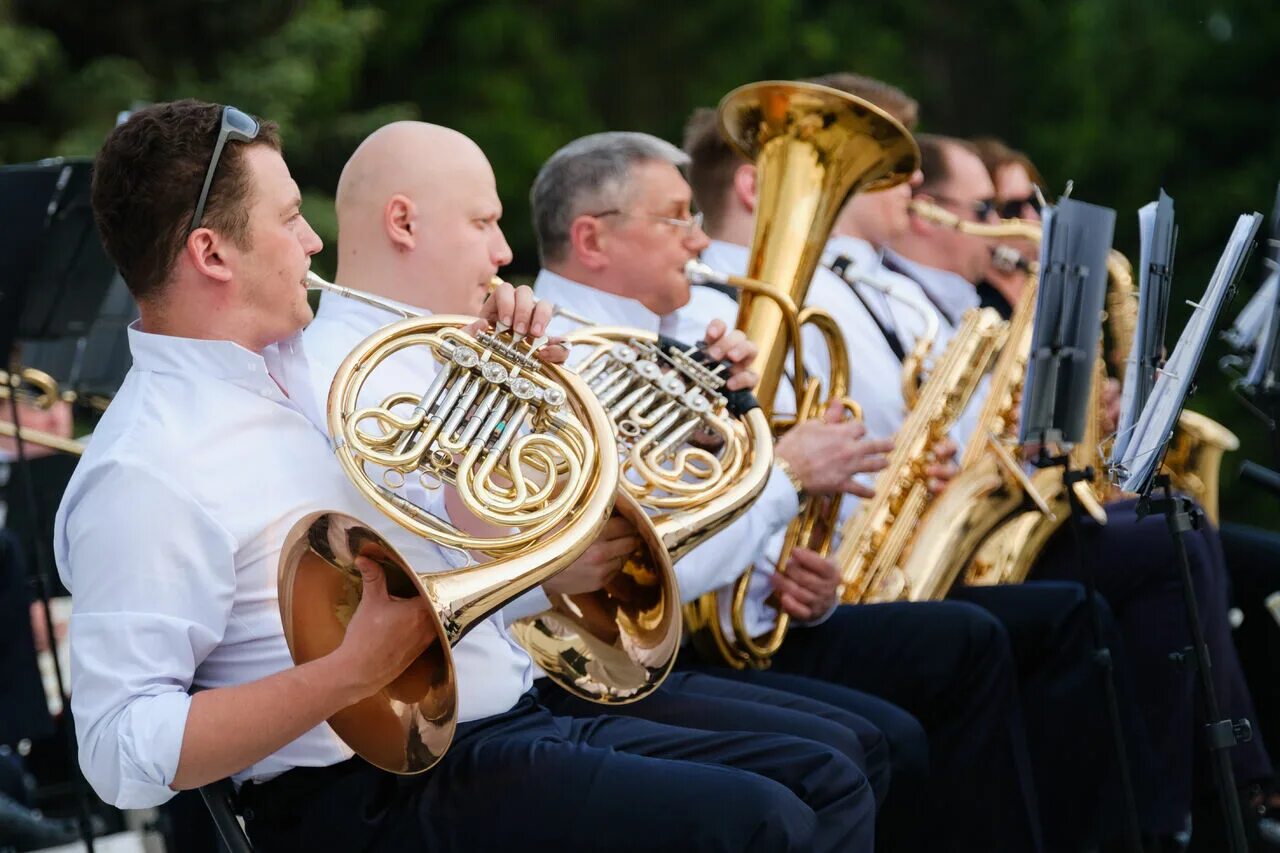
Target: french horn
x,y
530,451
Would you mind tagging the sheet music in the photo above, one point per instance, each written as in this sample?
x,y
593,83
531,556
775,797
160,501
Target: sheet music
x,y
1155,424
1155,281
1251,323
1068,322
1266,340
1129,393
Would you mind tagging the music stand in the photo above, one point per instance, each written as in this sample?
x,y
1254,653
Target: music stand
x,y
1155,281
1064,350
55,276
1140,472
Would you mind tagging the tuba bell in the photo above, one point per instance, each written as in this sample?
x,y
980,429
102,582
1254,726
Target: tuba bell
x,y
813,146
531,452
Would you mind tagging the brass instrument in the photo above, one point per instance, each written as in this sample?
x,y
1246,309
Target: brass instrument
x,y
529,451
813,147
39,389
875,538
1194,457
917,362
686,456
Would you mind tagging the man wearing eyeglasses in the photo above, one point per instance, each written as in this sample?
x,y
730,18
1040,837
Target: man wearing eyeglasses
x,y
1133,555
170,533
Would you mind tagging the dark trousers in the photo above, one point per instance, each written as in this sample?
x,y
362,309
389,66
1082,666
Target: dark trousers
x,y
948,664
1137,573
529,780
1253,560
1064,705
23,709
695,700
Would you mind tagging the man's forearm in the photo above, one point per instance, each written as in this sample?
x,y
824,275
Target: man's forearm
x,y
231,728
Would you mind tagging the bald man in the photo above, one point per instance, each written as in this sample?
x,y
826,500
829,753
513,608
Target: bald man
x,y
418,215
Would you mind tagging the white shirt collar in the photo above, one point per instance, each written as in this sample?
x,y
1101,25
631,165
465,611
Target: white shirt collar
x,y
602,309
951,293
864,256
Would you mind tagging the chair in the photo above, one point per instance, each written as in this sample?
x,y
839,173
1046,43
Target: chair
x,y
220,799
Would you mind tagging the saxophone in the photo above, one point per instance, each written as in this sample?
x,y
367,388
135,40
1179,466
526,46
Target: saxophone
x,y
875,538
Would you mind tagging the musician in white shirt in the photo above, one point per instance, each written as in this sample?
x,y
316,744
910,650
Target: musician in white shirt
x,y
170,533
419,225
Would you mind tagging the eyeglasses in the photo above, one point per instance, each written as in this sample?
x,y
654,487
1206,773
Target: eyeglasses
x,y
982,208
690,225
1012,208
236,125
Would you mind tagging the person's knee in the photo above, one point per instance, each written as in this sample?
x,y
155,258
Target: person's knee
x,y
762,816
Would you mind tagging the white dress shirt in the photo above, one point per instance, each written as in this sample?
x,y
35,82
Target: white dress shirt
x,y
169,538
722,558
951,295
705,305
493,670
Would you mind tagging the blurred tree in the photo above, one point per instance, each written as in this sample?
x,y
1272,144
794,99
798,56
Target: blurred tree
x,y
1123,98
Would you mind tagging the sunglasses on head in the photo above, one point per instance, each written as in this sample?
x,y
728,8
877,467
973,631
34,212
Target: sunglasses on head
x,y
1012,208
236,125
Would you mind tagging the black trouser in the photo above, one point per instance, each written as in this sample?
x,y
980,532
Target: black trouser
x,y
1068,726
1137,573
528,780
948,664
1253,559
695,700
23,709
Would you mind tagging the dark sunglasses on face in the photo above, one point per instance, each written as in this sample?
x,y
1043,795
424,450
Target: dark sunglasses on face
x,y
1012,208
236,125
982,208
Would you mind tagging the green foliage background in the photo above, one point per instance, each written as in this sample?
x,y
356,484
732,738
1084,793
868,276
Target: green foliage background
x,y
1122,96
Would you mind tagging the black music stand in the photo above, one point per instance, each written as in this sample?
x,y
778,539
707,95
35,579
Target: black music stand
x,y
1141,474
1064,351
54,274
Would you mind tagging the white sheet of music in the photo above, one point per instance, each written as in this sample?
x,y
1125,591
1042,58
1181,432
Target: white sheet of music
x,y
1128,394
1251,323
1264,328
1156,422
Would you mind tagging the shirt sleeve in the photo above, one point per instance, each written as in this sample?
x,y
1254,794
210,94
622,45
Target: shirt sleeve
x,y
153,580
720,559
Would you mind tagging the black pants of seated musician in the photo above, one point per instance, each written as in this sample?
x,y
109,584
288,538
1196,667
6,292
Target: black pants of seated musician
x,y
891,748
1137,573
23,712
529,780
949,665
1069,731
1253,560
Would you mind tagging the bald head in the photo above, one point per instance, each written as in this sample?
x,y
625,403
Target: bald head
x,y
418,214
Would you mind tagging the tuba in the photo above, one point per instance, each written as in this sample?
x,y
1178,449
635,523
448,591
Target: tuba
x,y
813,146
531,452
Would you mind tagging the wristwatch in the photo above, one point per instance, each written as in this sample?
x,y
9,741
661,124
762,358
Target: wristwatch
x,y
796,482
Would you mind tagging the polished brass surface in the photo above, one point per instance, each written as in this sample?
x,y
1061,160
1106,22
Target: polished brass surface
x,y
44,439
875,539
685,457
34,387
813,147
531,452
991,487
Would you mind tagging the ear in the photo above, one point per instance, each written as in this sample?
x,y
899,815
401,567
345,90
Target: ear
x,y
208,253
744,186
400,219
588,240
